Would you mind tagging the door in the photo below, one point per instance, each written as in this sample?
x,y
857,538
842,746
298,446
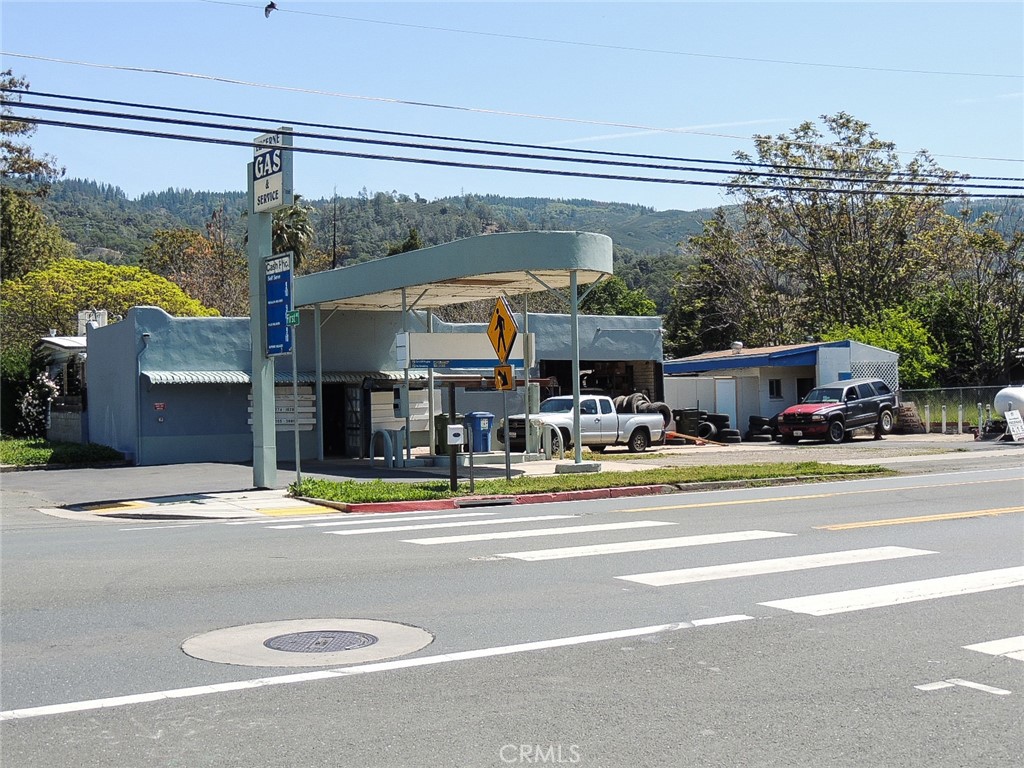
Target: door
x,y
725,399
590,422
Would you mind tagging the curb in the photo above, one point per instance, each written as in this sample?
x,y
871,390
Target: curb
x,y
430,505
557,496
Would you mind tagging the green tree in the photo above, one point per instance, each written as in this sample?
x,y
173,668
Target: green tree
x,y
736,291
411,243
17,160
848,226
293,230
613,297
977,310
210,268
50,298
898,331
28,241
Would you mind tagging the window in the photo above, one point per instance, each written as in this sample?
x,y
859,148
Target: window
x,y
588,407
775,389
606,406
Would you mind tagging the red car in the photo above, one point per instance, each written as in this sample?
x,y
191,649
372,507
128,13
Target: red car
x,y
832,411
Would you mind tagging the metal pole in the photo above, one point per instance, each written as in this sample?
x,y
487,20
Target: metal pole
x,y
453,472
531,441
574,303
431,429
405,385
318,342
295,406
504,415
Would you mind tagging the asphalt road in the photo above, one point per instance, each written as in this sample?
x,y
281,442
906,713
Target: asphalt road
x,y
571,639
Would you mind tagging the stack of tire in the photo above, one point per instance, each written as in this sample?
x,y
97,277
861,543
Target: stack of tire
x,y
760,430
694,422
638,402
721,431
687,420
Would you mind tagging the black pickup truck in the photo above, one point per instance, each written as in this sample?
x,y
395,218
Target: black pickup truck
x,y
832,411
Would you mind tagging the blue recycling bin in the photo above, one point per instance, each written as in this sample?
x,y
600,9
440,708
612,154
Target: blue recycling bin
x,y
479,425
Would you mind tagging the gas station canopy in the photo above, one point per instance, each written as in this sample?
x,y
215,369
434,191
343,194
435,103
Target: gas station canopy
x,y
472,269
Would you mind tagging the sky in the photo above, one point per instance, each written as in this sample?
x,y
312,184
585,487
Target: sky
x,y
674,79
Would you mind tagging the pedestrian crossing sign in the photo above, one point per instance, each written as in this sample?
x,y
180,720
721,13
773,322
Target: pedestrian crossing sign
x,y
502,330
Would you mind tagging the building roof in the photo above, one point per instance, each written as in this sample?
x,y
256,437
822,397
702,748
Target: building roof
x,y
788,355
482,267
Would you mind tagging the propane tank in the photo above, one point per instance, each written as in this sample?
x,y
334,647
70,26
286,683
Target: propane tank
x,y
1009,399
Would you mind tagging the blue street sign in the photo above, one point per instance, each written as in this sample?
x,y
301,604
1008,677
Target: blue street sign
x,y
278,275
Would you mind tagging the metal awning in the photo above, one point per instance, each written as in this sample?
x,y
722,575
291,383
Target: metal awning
x,y
280,377
482,267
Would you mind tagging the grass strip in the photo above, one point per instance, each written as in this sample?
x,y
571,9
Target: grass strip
x,y
33,452
354,492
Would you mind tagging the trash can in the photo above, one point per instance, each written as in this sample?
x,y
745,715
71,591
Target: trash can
x,y
479,425
441,423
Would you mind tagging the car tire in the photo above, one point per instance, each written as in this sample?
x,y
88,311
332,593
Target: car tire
x,y
886,422
706,430
638,441
836,432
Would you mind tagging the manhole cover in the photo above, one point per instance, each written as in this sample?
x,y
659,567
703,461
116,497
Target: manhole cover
x,y
328,641
308,642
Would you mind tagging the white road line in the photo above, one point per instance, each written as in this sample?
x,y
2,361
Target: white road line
x,y
364,520
394,528
538,532
934,686
362,669
979,686
642,546
776,565
906,592
1011,647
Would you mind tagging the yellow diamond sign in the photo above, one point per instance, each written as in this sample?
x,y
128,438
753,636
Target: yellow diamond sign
x,y
502,330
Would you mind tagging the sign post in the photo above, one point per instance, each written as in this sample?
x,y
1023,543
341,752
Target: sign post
x,y
502,330
269,180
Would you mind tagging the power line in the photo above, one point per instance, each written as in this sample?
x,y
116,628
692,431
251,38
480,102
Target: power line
x,y
516,145
505,168
506,154
451,107
628,48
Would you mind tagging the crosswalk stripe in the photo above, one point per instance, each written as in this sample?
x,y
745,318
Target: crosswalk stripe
x,y
776,565
363,520
537,532
906,592
394,528
642,546
1011,647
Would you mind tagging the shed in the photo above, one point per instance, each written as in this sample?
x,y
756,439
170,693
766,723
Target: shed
x,y
762,381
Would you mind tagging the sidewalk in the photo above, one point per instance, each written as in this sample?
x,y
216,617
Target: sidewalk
x,y
176,499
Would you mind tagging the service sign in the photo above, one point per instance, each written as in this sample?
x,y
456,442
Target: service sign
x,y
271,172
278,276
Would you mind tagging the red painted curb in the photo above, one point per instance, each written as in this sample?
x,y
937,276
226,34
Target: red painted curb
x,y
400,506
546,498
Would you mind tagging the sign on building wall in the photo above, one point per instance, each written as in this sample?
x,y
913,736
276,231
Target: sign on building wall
x,y
278,276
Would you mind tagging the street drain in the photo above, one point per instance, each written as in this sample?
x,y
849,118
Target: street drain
x,y
308,642
320,642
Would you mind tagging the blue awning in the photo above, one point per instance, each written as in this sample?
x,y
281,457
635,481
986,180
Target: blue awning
x,y
767,357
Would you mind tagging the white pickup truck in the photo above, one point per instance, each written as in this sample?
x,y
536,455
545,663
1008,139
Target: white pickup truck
x,y
600,425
